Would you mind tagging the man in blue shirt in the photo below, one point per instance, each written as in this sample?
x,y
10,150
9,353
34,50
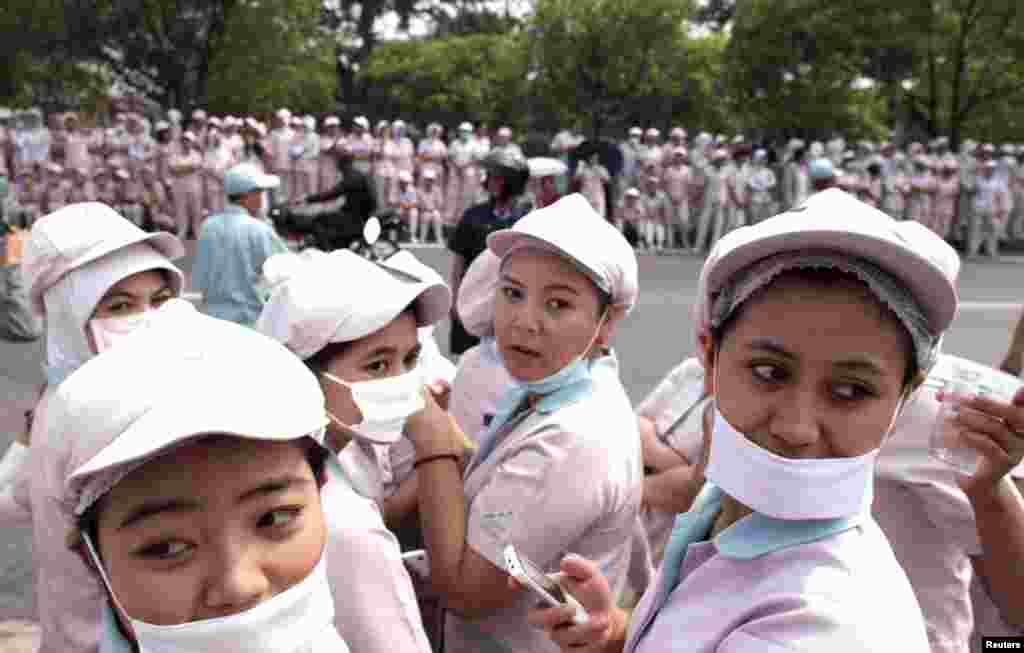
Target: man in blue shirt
x,y
232,247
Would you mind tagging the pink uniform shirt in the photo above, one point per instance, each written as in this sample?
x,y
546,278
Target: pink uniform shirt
x,y
926,517
432,154
374,601
566,477
677,180
76,150
69,597
772,585
480,381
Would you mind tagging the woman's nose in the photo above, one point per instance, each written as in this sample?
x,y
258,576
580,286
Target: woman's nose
x,y
527,317
795,423
236,582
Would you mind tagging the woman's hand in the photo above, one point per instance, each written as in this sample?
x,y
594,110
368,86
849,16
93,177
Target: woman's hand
x,y
606,628
996,430
432,430
441,390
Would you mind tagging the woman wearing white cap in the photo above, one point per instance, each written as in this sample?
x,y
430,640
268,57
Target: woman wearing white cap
x,y
405,151
204,525
93,277
431,153
559,466
361,341
331,141
919,501
187,185
814,328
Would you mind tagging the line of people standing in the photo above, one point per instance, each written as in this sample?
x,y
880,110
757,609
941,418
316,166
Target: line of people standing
x,y
169,174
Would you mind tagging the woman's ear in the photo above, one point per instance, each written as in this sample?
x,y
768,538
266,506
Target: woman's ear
x,y
707,358
604,333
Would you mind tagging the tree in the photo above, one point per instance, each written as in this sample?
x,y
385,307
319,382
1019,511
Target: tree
x,y
795,67
969,61
451,79
857,65
273,55
165,49
600,57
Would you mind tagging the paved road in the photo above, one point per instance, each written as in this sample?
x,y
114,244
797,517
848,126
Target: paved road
x,y
650,341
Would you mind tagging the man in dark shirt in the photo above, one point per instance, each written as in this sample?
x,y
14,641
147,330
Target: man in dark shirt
x,y
360,203
507,174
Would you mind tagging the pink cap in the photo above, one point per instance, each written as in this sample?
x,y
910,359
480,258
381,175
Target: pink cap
x,y
605,255
834,220
79,234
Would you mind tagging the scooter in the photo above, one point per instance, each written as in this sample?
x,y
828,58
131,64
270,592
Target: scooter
x,y
328,228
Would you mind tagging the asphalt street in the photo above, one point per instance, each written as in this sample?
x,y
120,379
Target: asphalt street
x,y
654,338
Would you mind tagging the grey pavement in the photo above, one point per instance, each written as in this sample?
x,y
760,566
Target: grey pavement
x,y
654,338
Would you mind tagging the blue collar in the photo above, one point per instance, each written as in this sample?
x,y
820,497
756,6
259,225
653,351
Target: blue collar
x,y
754,535
111,640
757,534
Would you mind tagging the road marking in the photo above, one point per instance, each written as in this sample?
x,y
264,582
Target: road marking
x,y
990,306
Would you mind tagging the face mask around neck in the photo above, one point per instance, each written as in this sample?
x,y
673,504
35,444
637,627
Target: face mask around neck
x,y
385,404
298,620
789,488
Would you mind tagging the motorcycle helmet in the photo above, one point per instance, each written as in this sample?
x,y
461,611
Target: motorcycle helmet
x,y
511,166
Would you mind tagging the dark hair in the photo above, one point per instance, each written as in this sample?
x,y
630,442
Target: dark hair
x,y
513,181
318,362
825,278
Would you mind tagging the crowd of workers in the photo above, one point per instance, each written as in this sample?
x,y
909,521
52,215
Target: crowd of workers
x,y
667,194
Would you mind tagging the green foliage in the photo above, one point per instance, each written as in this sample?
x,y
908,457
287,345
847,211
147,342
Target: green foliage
x,y
605,59
941,66
273,55
479,77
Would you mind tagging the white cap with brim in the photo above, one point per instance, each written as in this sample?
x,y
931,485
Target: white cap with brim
x,y
836,221
571,228
77,235
342,297
246,177
181,376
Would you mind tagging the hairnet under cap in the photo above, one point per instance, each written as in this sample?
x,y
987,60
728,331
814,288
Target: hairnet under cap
x,y
916,259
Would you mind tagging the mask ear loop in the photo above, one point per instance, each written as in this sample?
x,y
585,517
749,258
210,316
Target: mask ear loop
x,y
98,564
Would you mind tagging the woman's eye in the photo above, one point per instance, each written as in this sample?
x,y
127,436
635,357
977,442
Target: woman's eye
x,y
511,294
378,367
768,373
119,307
166,550
161,299
412,360
850,391
557,304
280,517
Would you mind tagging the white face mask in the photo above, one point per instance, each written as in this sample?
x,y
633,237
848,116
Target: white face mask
x,y
385,404
789,488
298,620
108,331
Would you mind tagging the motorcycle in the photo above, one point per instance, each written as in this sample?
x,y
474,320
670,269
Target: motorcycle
x,y
328,228
372,247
